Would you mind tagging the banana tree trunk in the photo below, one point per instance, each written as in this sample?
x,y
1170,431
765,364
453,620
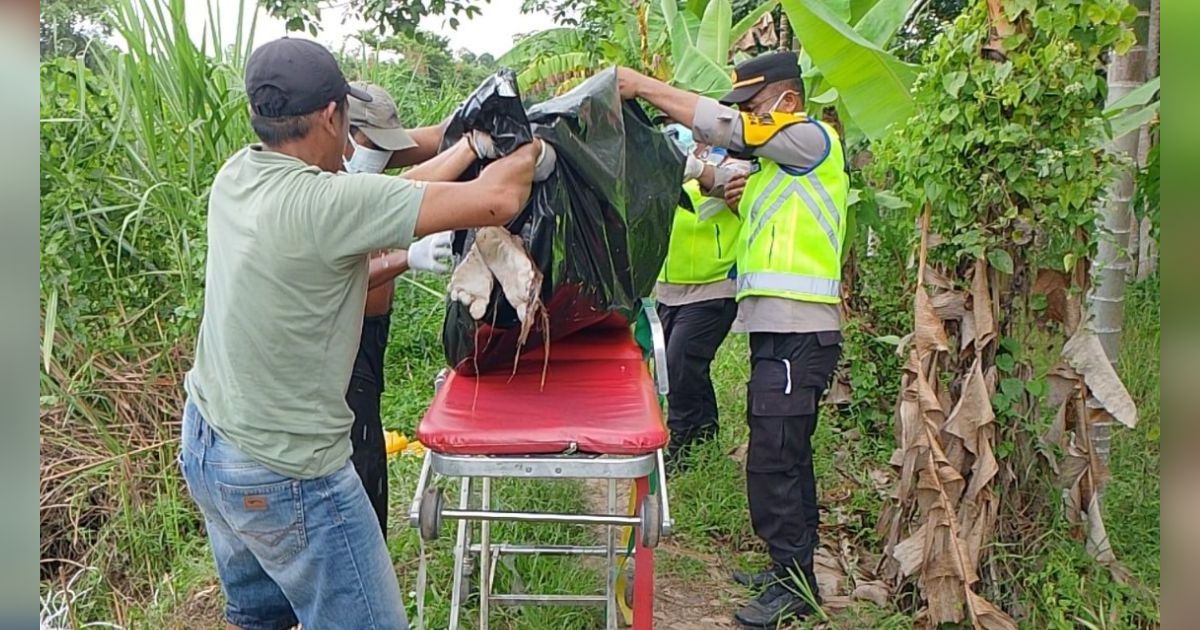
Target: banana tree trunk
x,y
1106,305
1144,140
1107,302
1147,258
785,32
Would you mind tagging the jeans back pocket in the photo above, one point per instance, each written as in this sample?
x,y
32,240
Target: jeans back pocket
x,y
268,517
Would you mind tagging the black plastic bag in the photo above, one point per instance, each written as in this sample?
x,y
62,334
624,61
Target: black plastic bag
x,y
597,228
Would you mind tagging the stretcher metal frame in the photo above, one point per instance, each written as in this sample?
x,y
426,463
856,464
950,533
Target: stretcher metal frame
x,y
651,522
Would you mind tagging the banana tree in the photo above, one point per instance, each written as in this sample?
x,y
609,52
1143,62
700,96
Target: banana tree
x,y
843,53
848,67
688,47
700,60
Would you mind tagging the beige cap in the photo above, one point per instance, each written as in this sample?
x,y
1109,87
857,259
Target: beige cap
x,y
378,119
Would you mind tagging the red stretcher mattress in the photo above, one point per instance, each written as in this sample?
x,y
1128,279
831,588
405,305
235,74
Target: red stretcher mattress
x,y
598,395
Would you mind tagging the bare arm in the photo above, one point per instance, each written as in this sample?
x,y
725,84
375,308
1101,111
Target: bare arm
x,y
428,140
386,267
445,166
679,104
493,198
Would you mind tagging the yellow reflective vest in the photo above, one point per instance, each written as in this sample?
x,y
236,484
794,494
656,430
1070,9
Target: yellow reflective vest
x,y
700,252
793,227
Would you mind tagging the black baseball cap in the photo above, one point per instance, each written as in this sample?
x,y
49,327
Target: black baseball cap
x,y
290,77
752,75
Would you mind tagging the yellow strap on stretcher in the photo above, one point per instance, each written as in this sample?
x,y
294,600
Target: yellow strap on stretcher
x,y
758,129
622,578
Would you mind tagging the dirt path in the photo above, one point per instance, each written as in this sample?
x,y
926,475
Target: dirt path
x,y
694,591
694,602
699,598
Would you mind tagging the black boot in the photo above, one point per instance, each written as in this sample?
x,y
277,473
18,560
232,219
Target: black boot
x,y
789,595
682,444
756,581
780,602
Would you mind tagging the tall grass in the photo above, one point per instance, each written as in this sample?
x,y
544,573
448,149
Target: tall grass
x,y
129,149
128,153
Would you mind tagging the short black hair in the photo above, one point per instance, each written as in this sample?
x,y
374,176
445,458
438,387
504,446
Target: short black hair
x,y
277,130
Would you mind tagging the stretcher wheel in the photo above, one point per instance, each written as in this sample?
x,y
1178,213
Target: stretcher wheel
x,y
429,518
651,512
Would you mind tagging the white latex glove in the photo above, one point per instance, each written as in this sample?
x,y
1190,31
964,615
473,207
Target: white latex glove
x,y
505,256
546,160
482,144
472,284
693,169
432,253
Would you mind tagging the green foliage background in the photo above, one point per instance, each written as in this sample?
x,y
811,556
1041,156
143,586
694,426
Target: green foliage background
x,y
130,142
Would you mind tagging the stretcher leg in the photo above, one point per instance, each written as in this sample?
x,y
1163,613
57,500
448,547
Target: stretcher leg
x,y
460,552
610,580
485,550
643,573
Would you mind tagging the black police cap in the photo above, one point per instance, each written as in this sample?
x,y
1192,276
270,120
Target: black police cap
x,y
290,77
752,75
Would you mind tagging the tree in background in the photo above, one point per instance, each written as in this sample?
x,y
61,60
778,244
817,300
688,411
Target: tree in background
x,y
68,26
1006,159
1126,72
396,16
926,19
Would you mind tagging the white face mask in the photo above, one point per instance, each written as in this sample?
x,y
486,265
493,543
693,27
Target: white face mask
x,y
366,160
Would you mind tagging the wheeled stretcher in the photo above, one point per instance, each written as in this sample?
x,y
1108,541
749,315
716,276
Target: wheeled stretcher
x,y
596,416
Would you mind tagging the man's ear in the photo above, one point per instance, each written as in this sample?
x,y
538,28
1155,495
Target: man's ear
x,y
330,119
797,102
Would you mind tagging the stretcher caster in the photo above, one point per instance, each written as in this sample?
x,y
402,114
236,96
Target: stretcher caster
x,y
652,521
429,519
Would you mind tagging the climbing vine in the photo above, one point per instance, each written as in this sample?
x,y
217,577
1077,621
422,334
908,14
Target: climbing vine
x,y
1009,153
1004,163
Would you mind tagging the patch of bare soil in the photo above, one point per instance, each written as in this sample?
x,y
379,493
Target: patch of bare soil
x,y
690,602
204,608
699,600
695,602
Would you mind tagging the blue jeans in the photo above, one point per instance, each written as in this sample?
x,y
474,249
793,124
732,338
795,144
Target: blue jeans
x,y
289,550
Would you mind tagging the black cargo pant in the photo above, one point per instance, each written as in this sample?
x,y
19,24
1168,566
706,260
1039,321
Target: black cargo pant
x,y
364,396
693,334
789,372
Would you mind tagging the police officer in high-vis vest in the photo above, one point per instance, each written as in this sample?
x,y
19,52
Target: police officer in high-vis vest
x,y
695,295
793,212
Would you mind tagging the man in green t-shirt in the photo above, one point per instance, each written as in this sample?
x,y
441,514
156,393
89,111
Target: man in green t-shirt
x,y
266,442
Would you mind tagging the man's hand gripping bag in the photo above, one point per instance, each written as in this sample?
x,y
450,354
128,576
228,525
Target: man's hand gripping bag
x,y
592,238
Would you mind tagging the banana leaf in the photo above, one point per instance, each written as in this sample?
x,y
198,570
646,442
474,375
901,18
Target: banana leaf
x,y
1140,96
859,8
1130,119
713,39
872,84
881,23
748,22
840,8
558,40
693,70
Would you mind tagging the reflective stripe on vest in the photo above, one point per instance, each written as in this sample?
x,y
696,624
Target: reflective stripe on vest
x,y
794,222
701,251
769,281
792,186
